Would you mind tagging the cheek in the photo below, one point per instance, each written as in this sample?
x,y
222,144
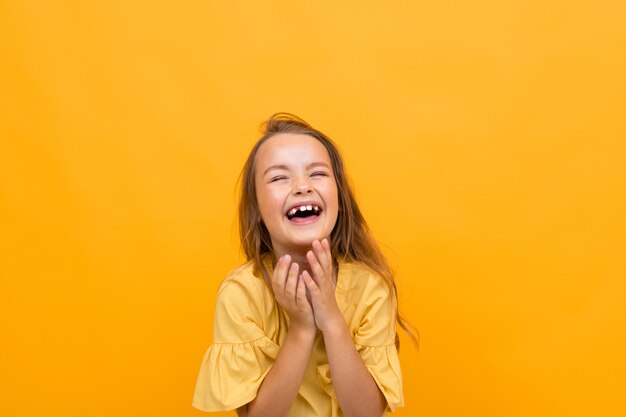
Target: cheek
x,y
332,204
333,192
261,200
268,201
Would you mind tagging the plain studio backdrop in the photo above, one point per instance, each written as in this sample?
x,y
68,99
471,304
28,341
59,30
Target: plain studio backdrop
x,y
485,141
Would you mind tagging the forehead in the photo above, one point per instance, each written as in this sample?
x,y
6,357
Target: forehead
x,y
289,149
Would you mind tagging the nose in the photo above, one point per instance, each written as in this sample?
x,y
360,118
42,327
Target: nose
x,y
302,187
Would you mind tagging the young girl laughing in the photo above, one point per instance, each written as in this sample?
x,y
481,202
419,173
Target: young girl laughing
x,y
307,326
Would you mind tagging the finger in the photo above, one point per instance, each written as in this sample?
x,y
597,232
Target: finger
x,y
301,292
329,255
307,292
292,282
321,256
310,284
280,273
316,268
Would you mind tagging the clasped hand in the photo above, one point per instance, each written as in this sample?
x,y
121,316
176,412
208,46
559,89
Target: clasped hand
x,y
291,286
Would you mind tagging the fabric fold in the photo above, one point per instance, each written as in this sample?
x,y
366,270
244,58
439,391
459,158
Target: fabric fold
x,y
383,364
323,374
249,327
231,374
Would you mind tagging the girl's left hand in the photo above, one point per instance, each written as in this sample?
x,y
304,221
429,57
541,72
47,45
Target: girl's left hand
x,y
322,287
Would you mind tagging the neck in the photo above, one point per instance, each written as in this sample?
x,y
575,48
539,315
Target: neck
x,y
297,256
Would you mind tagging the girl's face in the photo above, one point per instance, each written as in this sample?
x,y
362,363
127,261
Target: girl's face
x,y
296,191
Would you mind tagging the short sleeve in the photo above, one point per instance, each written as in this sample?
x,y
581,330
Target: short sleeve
x,y
375,342
370,307
235,365
384,365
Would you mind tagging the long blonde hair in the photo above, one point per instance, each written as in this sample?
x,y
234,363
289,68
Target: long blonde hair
x,y
350,239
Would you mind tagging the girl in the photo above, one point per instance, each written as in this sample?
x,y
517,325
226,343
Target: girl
x,y
307,326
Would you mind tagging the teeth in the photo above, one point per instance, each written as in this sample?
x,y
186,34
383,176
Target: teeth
x,y
309,207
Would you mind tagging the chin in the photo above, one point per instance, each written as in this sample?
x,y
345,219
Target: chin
x,y
306,239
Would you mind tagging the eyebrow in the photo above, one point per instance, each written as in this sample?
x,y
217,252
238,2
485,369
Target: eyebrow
x,y
285,167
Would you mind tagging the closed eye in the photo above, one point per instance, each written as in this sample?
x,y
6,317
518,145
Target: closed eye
x,y
278,178
320,174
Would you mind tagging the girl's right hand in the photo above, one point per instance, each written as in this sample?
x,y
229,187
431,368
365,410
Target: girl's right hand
x,y
290,292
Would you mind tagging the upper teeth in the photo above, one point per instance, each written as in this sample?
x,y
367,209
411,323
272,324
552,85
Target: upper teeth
x,y
310,207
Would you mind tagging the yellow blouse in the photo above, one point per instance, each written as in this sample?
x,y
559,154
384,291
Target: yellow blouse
x,y
250,328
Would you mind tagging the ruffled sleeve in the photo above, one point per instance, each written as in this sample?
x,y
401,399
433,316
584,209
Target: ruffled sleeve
x,y
375,342
383,363
373,325
235,365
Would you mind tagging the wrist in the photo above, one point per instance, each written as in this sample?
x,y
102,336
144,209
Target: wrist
x,y
302,333
334,327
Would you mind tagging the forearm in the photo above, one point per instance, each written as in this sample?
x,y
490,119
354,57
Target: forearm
x,y
281,384
357,392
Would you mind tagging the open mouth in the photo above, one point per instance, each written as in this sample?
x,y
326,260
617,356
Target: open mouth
x,y
303,212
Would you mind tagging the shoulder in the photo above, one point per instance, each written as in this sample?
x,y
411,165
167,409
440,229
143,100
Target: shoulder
x,y
243,307
356,277
241,283
369,303
242,275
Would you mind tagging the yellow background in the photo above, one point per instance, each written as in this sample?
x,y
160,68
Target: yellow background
x,y
485,140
